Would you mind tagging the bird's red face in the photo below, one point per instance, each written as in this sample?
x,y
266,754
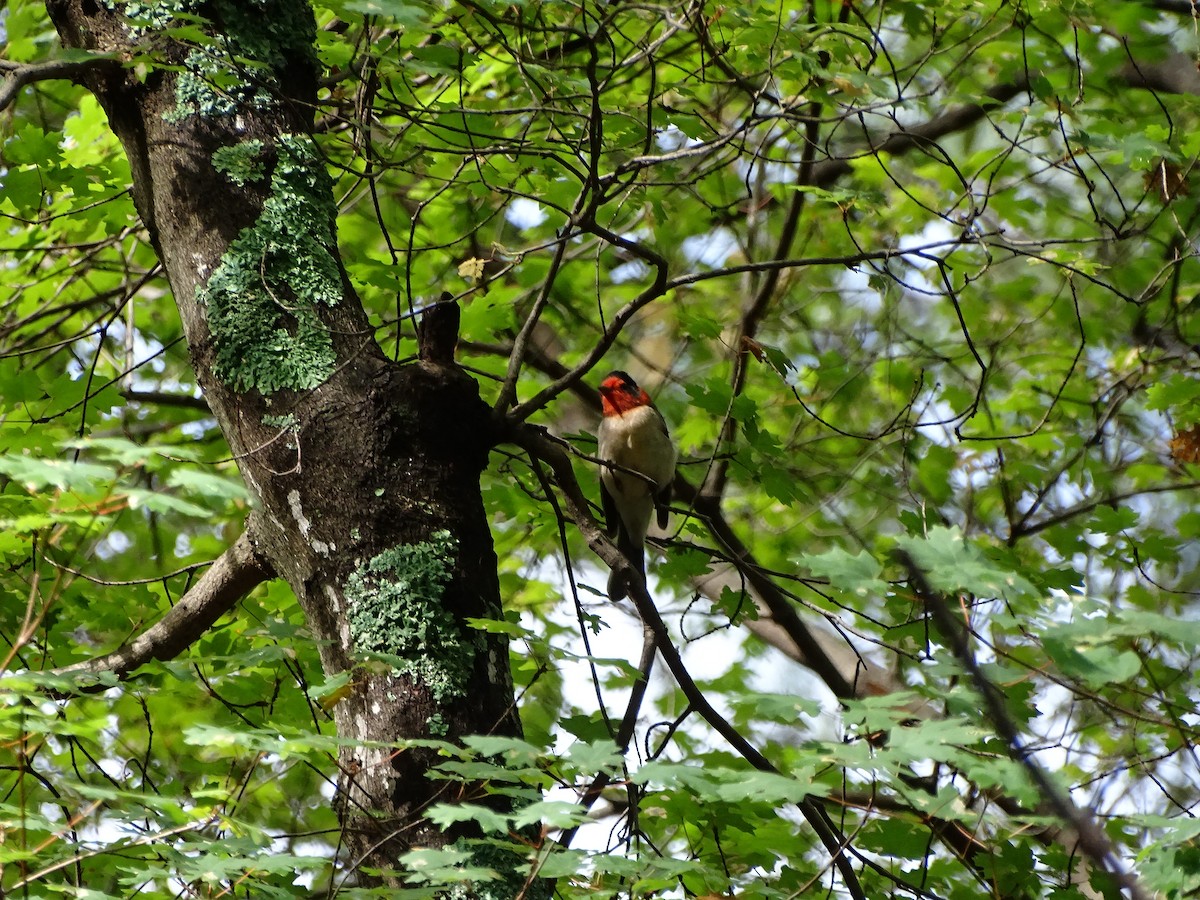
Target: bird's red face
x,y
619,393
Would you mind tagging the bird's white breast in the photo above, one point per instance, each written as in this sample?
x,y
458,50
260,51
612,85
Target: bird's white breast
x,y
638,440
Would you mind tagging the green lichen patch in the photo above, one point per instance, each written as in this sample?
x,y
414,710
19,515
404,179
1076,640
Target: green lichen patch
x,y
144,16
261,41
287,422
238,63
273,33
397,610
241,163
207,86
263,297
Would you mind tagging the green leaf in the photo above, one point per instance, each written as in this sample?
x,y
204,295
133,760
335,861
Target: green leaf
x,y
953,564
856,574
208,484
895,837
37,474
489,821
160,502
1112,520
1095,666
594,757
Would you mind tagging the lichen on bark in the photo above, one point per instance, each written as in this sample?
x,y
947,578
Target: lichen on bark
x,y
260,44
264,296
397,611
241,163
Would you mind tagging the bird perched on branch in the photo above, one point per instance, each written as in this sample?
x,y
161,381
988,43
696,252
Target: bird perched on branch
x,y
633,439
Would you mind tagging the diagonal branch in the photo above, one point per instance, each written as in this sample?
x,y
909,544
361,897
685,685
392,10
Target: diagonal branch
x,y
1092,841
166,398
231,577
542,447
708,508
867,677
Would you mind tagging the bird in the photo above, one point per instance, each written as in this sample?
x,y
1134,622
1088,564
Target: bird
x,y
633,438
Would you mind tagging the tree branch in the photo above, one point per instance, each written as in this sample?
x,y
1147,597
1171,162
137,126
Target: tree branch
x,y
18,75
1186,7
536,442
865,676
955,119
1093,842
708,508
166,398
232,576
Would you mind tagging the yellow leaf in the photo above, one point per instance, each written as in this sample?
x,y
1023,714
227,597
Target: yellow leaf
x,y
472,268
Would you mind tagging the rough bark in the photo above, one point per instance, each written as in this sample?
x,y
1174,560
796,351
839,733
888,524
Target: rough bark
x,y
365,475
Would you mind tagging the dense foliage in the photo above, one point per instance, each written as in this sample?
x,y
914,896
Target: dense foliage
x,y
912,283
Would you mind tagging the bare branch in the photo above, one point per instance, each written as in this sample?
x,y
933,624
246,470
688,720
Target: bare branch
x,y
18,75
865,676
232,576
650,293
898,142
165,398
708,508
1186,7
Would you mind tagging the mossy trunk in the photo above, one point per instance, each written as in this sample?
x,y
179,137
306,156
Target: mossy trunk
x,y
365,475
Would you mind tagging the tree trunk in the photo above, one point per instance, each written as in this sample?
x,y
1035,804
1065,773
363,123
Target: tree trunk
x,y
365,474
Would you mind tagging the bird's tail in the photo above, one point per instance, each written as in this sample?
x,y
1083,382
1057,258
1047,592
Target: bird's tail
x,y
635,552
